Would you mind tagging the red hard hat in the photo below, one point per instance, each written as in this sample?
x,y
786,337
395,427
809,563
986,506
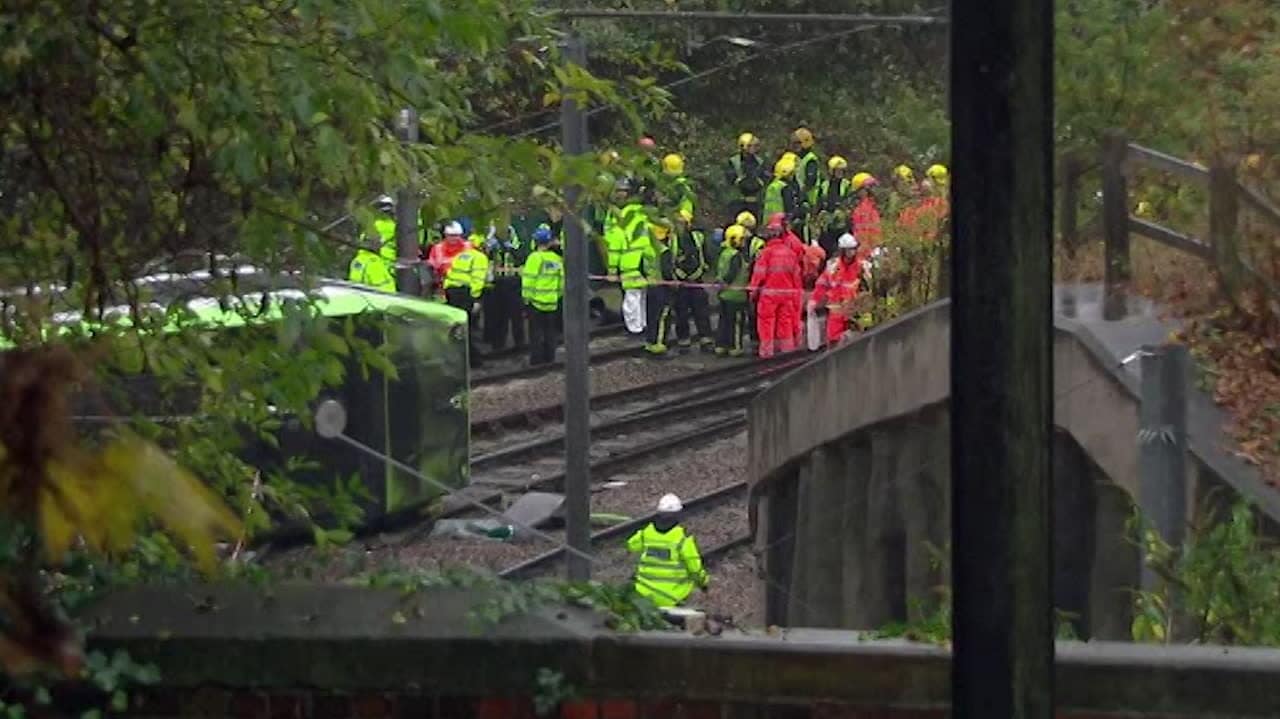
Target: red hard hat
x,y
776,220
647,142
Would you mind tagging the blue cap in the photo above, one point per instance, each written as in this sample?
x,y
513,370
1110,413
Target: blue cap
x,y
542,235
466,225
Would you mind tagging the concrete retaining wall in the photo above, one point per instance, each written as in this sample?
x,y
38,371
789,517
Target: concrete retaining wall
x,y
850,466
317,651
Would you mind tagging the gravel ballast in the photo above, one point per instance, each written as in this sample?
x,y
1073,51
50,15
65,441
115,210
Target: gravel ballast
x,y
688,473
491,401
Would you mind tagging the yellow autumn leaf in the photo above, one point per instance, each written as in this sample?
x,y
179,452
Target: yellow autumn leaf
x,y
182,504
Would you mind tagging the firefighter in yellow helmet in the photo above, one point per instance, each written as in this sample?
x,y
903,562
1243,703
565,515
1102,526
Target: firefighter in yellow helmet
x,y
677,191
659,273
670,566
733,273
939,179
783,193
808,166
834,199
746,175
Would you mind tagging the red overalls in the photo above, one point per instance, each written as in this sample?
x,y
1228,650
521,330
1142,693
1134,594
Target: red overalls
x,y
776,286
838,285
865,222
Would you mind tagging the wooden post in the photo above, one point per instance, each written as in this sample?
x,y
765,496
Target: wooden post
x,y
1115,225
1224,217
1071,171
1002,358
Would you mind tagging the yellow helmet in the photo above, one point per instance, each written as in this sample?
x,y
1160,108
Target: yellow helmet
x,y
735,235
673,164
660,230
785,168
793,157
746,219
938,173
862,179
803,137
608,157
746,140
837,163
904,173
685,215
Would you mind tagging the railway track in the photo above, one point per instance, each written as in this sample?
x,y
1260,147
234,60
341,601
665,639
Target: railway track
x,y
513,367
608,330
525,418
634,429
694,508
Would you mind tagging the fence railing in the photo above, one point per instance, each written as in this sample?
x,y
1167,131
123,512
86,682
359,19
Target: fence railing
x,y
1118,159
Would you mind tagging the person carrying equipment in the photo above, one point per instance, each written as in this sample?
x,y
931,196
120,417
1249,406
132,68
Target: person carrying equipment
x,y
746,175
670,566
733,272
542,289
690,266
808,166
627,239
775,288
658,271
838,287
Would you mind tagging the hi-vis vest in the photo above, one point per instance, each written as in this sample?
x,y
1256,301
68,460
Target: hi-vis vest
x,y
542,281
470,268
670,566
370,268
736,277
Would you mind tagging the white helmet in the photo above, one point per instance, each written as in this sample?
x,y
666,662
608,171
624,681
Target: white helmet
x,y
385,202
669,503
847,242
453,228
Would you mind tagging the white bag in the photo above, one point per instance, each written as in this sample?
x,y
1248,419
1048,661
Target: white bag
x,y
816,329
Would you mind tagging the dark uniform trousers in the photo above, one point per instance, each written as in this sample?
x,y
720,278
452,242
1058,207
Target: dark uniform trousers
x,y
657,314
731,334
460,297
692,302
544,335
504,313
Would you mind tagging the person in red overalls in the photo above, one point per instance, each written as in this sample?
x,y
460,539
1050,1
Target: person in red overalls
x,y
838,286
443,252
810,267
864,221
775,287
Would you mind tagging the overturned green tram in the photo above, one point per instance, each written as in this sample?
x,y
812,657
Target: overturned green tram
x,y
419,417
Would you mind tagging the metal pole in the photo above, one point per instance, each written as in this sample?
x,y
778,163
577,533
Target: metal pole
x,y
1002,358
577,398
1162,441
407,250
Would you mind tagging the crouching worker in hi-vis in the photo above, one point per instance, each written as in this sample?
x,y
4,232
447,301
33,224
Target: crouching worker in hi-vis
x,y
670,567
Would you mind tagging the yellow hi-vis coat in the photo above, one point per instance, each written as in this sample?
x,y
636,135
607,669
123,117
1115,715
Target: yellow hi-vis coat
x,y
670,566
